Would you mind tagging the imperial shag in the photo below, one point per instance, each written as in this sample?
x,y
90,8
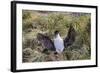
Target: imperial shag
x,y
58,44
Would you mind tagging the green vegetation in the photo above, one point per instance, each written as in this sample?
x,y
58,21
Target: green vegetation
x,y
34,22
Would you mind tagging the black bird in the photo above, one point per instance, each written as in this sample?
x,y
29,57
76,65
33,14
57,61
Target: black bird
x,y
58,44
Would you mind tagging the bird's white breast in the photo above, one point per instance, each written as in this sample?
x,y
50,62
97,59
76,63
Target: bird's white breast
x,y
59,44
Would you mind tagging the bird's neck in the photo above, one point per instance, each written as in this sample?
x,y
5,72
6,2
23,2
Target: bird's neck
x,y
58,36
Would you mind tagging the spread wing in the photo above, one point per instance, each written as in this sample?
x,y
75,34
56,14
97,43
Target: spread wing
x,y
70,38
46,41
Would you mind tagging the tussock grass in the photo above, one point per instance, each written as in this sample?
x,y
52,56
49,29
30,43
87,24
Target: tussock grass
x,y
34,22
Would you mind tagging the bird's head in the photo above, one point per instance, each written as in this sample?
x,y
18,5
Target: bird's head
x,y
56,33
